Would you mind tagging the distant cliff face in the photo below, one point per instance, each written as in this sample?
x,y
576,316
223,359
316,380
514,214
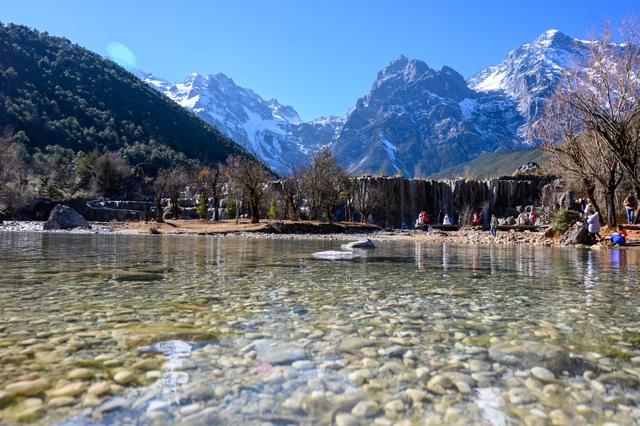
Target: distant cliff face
x,y
416,120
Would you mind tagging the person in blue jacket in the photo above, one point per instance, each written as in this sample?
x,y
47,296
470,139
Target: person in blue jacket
x,y
617,238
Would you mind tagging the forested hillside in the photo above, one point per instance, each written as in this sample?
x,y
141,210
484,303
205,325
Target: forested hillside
x,y
53,92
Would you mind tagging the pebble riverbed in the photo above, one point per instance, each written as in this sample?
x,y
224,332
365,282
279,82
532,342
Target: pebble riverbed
x,y
122,329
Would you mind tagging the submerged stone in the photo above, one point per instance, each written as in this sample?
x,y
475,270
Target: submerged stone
x,y
352,344
278,353
28,387
531,354
335,255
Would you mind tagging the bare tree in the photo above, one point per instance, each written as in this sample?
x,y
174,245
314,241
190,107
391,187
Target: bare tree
x,y
604,97
579,156
209,183
170,183
159,187
216,185
249,177
324,184
289,195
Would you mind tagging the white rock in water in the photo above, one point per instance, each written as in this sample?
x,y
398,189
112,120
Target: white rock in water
x,y
362,244
335,255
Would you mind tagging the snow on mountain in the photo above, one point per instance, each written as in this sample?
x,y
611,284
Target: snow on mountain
x,y
528,74
274,132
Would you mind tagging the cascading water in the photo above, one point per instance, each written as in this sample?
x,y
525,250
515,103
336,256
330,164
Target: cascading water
x,y
404,198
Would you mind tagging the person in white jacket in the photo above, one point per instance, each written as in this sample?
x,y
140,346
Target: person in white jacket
x,y
594,226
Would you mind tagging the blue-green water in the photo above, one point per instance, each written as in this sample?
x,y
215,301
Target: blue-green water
x,y
260,332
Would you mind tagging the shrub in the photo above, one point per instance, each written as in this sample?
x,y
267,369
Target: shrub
x,y
273,212
230,207
564,219
201,206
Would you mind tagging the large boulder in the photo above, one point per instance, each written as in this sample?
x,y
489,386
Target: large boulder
x,y
64,217
579,234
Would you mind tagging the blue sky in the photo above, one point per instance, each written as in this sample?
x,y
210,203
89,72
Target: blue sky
x,y
318,56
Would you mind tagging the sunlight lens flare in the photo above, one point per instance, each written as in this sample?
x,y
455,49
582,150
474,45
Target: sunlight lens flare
x,y
121,54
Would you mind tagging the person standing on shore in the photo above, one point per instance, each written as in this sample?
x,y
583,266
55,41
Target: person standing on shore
x,y
494,225
630,205
594,226
588,210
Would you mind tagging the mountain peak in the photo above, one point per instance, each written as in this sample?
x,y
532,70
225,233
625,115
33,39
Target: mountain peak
x,y
553,37
394,67
403,67
548,34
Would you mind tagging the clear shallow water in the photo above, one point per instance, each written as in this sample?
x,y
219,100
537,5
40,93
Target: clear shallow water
x,y
257,331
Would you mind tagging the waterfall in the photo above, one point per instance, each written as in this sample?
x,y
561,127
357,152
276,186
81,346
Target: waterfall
x,y
402,199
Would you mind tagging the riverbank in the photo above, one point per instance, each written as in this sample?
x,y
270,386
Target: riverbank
x,y
309,230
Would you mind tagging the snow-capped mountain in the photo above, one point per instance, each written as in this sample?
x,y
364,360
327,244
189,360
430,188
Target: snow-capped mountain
x,y
528,74
274,132
416,120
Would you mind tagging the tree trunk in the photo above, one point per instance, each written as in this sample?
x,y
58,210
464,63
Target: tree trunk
x,y
159,211
363,215
636,190
215,208
590,190
175,207
610,200
255,210
291,207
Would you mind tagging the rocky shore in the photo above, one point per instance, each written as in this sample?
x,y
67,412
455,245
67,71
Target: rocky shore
x,y
308,231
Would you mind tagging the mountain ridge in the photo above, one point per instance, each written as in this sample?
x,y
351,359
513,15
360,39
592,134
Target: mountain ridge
x,y
414,120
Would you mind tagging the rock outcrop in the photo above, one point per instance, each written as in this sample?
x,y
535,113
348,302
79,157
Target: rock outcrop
x,y
362,244
64,217
579,234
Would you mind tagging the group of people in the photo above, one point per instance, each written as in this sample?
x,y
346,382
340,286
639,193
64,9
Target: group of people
x,y
630,206
527,219
424,219
618,237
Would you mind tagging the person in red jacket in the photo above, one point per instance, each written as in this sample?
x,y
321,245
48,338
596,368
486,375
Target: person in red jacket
x,y
476,219
425,217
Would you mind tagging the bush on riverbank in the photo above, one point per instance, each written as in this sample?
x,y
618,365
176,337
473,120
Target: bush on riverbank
x,y
565,219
